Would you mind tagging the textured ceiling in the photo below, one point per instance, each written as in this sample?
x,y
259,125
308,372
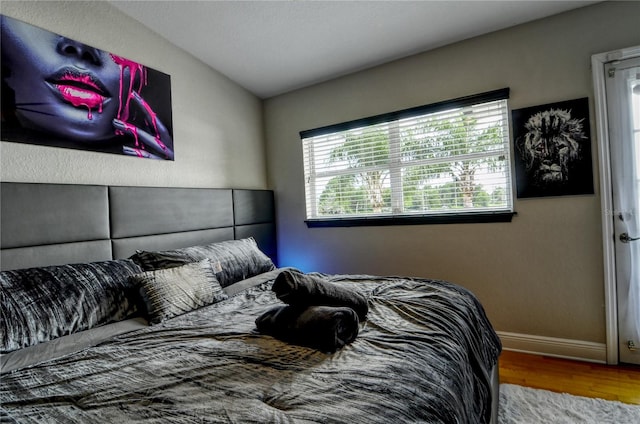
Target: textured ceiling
x,y
271,47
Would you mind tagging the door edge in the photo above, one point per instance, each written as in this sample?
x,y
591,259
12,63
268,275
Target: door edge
x,y
598,62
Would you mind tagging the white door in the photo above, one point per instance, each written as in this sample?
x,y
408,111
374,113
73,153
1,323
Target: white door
x,y
622,82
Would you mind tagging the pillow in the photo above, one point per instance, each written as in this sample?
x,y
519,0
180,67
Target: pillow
x,y
41,304
232,260
174,291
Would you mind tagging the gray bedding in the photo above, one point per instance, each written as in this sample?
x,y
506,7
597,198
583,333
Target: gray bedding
x,y
424,354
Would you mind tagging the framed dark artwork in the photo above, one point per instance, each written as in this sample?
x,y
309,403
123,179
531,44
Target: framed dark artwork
x,y
60,92
553,149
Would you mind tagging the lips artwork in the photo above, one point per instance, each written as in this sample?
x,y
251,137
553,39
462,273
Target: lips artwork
x,y
81,90
59,92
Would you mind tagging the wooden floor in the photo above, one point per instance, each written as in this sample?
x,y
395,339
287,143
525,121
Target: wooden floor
x,y
620,383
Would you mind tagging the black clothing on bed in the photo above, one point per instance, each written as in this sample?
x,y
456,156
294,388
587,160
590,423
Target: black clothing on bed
x,y
295,288
325,328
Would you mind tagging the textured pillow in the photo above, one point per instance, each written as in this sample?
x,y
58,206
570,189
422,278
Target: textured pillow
x,y
232,260
174,291
41,304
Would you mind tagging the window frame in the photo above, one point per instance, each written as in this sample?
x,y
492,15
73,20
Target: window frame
x,y
469,216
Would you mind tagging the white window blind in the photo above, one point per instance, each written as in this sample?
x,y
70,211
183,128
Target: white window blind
x,y
447,158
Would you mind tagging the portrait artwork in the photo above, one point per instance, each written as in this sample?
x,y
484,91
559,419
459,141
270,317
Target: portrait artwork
x,y
59,92
553,149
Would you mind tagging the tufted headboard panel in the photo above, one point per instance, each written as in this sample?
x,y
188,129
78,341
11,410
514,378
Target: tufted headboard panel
x,y
51,224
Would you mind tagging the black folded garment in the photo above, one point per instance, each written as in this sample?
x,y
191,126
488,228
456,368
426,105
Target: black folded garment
x,y
325,328
295,288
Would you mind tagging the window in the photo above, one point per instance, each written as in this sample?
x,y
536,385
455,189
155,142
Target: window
x,y
444,162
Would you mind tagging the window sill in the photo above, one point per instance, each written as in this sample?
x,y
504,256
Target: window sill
x,y
375,221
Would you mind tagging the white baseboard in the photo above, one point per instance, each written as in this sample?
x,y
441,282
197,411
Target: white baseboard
x,y
551,346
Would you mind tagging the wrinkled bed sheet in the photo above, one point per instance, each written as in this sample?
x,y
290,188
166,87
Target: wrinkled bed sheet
x,y
424,354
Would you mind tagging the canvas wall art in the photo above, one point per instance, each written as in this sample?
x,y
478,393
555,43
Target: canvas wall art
x,y
60,92
553,149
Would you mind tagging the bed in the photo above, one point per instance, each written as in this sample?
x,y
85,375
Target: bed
x,y
425,352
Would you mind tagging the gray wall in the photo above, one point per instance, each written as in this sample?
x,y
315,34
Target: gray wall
x,y
218,129
541,274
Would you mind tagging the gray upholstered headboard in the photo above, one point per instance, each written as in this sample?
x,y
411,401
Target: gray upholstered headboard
x,y
53,224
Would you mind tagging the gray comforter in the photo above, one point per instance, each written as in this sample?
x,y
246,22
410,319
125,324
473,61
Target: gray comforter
x,y
424,354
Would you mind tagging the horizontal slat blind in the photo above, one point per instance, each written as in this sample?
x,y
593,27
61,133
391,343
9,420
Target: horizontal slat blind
x,y
449,158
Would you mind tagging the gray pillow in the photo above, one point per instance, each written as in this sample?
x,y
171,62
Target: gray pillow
x,y
41,304
232,260
174,291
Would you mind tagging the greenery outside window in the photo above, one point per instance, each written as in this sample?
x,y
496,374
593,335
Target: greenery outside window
x,y
444,162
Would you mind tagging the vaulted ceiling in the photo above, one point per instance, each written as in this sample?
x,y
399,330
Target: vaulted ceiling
x,y
271,47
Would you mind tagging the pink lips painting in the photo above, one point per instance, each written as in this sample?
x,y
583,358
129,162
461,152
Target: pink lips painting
x,y
81,91
60,92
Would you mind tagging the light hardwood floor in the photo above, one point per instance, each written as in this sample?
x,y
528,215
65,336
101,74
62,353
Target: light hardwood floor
x,y
620,383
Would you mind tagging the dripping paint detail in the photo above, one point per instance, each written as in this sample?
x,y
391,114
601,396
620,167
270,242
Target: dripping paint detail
x,y
60,92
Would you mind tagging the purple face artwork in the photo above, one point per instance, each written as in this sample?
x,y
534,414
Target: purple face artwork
x,y
59,92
